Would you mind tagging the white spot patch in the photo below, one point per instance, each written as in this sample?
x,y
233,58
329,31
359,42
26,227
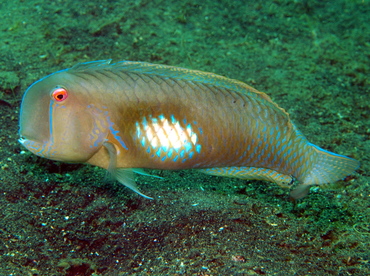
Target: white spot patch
x,y
168,138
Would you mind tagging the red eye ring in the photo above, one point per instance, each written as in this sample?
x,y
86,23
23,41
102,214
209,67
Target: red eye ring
x,y
60,94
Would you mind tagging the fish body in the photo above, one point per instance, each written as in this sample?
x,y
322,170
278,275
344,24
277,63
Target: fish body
x,y
140,115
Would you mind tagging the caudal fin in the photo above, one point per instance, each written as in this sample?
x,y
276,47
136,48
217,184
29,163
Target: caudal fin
x,y
328,167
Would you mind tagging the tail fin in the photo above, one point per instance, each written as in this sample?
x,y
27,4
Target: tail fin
x,y
329,167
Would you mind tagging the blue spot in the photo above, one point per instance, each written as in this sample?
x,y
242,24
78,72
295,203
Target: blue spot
x,y
163,158
254,151
300,159
271,132
188,146
115,133
175,159
274,160
188,127
243,155
158,153
198,148
182,153
145,123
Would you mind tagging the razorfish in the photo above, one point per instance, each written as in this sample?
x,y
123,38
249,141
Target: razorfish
x,y
127,116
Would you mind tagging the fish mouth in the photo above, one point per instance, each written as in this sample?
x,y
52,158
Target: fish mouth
x,y
25,140
32,145
42,149
22,140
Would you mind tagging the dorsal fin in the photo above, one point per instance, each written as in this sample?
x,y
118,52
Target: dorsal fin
x,y
97,64
166,71
180,73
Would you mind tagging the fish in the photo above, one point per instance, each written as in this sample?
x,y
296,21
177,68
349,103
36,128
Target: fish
x,y
129,116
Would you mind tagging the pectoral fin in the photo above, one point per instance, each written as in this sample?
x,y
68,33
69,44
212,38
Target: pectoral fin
x,y
122,175
142,172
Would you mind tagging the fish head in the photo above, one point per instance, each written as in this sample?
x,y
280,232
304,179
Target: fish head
x,y
56,121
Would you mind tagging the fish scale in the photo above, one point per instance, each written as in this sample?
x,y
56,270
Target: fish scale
x,y
130,115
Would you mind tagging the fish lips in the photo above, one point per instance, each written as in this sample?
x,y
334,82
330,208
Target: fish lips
x,y
33,146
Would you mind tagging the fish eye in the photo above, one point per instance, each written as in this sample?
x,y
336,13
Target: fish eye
x,y
59,94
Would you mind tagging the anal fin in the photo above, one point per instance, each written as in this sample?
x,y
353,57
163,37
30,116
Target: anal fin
x,y
283,180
